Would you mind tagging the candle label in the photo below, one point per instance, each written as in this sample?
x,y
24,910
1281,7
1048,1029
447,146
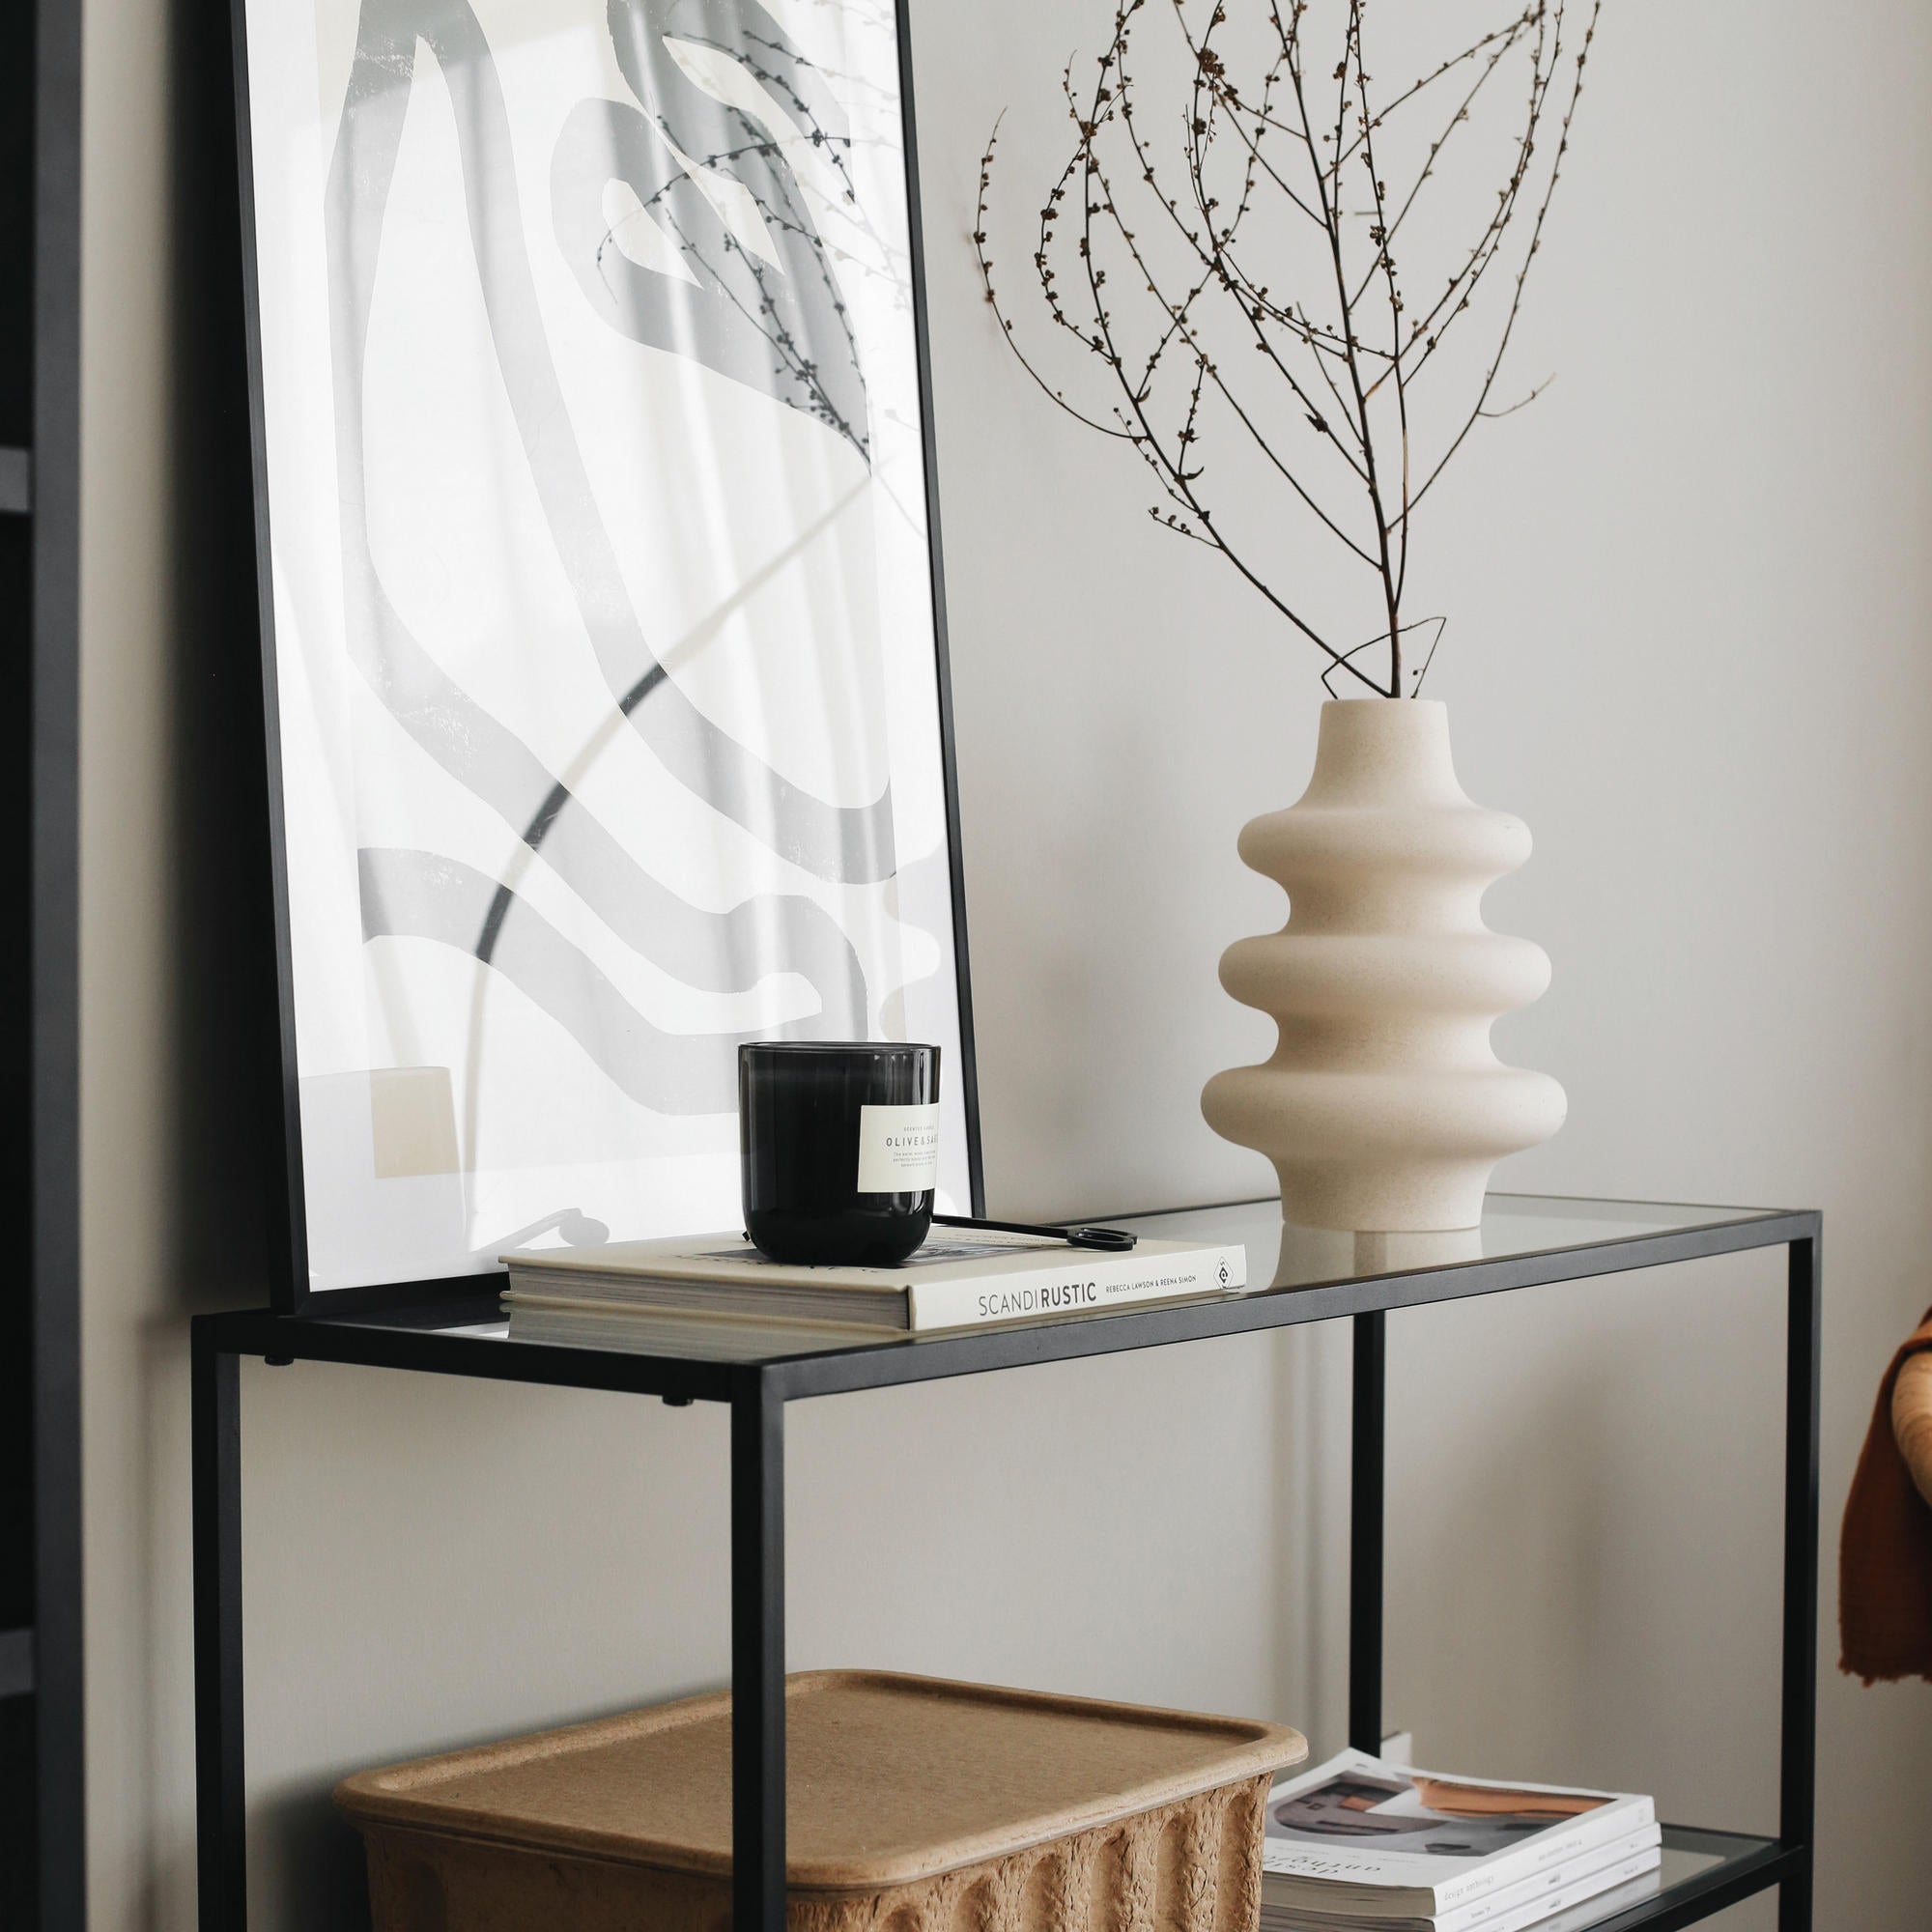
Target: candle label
x,y
899,1149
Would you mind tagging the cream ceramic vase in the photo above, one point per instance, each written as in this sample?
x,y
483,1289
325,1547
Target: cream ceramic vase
x,y
1384,1107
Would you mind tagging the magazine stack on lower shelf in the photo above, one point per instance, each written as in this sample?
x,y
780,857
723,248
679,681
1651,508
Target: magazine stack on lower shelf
x,y
1360,1842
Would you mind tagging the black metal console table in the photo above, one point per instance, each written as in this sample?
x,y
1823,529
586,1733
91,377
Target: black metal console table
x,y
1527,1242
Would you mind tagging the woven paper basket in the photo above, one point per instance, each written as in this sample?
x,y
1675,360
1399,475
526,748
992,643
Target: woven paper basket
x,y
912,1805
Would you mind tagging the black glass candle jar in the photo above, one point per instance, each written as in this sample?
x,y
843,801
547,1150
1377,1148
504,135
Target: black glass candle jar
x,y
838,1145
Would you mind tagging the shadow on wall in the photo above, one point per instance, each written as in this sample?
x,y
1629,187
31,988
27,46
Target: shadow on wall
x,y
313,1838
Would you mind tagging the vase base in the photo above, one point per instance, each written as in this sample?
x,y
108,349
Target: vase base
x,y
1393,1153
1311,1255
1407,1198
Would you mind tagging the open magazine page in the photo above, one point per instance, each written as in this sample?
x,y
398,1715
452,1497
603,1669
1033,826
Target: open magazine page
x,y
1359,1821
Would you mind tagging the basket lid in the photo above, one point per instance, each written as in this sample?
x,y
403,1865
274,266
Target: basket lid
x,y
890,1779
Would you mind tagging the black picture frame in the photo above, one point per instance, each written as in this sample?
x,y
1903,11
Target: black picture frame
x,y
290,1292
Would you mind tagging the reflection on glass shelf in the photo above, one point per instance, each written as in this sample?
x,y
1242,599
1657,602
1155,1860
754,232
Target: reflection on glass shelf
x,y
1681,1862
1513,1224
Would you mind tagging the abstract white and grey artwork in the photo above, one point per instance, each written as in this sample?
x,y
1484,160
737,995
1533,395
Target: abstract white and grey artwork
x,y
607,687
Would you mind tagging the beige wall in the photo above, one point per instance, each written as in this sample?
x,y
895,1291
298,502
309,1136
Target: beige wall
x,y
1690,602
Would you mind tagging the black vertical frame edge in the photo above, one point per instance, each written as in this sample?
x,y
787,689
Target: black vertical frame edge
x,y
1367,1497
221,1765
1798,1715
922,346
290,1292
288,1289
54,969
757,1653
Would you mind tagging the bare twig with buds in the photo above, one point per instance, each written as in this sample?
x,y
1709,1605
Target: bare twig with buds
x,y
1273,153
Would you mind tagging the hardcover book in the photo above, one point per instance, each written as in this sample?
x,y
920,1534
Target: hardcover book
x,y
958,1280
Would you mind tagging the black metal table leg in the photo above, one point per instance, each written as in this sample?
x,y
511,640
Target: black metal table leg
x,y
1799,1722
220,1809
757,1656
1366,1481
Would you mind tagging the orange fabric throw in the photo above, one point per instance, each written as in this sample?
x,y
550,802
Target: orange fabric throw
x,y
1885,1559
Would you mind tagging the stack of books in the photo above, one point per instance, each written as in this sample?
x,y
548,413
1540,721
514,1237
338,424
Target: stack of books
x,y
1362,1843
717,1294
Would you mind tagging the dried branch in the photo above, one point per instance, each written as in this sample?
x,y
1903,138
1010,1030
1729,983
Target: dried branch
x,y
1325,385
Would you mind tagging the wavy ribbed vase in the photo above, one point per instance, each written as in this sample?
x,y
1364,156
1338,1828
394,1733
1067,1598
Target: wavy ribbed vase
x,y
1385,1107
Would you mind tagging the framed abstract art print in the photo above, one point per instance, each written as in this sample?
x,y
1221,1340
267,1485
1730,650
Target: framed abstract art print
x,y
602,639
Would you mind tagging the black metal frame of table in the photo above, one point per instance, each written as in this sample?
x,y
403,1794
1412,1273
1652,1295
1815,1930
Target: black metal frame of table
x,y
450,1336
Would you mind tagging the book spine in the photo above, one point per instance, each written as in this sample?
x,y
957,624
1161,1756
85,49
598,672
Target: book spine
x,y
1600,1827
1500,1908
1089,1281
1560,1898
568,1298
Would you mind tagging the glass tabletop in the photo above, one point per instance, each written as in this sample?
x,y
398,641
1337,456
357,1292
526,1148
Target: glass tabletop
x,y
1284,1255
1281,1260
